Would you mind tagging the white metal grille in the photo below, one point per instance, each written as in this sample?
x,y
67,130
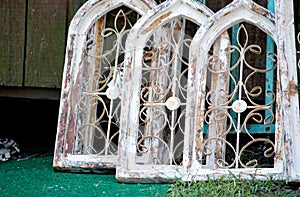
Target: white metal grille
x,y
231,115
163,96
98,111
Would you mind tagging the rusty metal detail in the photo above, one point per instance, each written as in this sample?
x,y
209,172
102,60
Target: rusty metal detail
x,y
87,136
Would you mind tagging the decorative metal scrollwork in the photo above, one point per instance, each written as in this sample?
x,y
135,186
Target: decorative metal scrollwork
x,y
99,108
220,149
163,96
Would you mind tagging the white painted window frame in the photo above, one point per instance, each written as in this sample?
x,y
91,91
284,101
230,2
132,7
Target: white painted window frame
x,y
87,15
281,28
128,169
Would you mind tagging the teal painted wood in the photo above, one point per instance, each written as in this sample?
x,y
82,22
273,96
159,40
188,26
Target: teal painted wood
x,y
234,59
253,129
271,6
269,63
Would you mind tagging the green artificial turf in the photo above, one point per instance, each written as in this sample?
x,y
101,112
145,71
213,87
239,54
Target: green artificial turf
x,y
36,177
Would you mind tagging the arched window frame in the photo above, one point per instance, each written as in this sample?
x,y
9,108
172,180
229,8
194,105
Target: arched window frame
x,y
128,170
280,28
86,16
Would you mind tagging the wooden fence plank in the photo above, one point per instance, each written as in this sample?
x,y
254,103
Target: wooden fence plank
x,y
46,28
73,6
12,20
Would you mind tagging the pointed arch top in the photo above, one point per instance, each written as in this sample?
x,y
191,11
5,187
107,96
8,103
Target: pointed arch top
x,y
82,21
151,25
163,13
94,9
234,13
88,15
237,12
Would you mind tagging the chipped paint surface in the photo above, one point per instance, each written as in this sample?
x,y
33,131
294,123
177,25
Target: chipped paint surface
x,y
170,94
88,21
146,152
196,146
290,98
156,22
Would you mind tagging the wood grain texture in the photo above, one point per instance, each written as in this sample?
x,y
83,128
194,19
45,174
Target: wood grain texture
x,y
12,20
46,28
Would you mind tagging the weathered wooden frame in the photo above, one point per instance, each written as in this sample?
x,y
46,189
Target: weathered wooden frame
x,y
87,15
128,170
280,28
290,96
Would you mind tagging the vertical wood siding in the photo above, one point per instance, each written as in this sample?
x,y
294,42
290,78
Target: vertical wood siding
x,y
12,37
33,41
46,26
